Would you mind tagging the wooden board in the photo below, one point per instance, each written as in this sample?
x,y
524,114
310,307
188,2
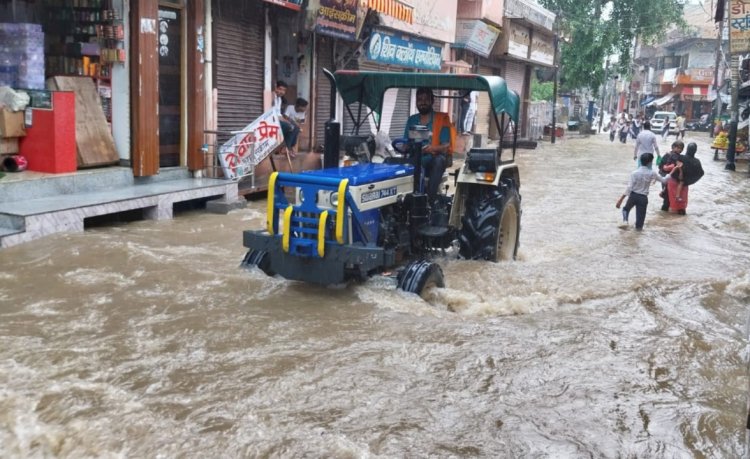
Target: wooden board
x,y
94,142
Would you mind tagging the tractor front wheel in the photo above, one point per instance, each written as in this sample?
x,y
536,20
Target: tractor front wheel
x,y
419,276
257,258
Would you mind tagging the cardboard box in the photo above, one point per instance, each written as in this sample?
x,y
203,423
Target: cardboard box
x,y
9,146
11,124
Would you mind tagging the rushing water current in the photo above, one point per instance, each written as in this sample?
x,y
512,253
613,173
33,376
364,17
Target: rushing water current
x,y
147,340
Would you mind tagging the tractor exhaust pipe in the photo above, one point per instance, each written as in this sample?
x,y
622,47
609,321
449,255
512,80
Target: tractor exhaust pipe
x,y
332,129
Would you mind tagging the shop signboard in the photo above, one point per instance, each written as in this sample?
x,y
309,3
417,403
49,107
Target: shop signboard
x,y
406,51
519,41
476,36
739,26
337,19
295,5
247,148
542,49
432,20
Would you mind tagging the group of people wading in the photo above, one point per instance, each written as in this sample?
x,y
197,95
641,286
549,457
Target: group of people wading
x,y
676,172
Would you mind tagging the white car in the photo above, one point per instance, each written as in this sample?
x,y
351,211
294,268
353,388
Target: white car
x,y
658,120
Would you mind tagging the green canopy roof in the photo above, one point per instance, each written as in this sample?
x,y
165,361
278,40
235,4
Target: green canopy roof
x,y
369,87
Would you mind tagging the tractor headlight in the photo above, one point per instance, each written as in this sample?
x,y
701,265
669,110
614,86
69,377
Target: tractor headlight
x,y
301,196
334,199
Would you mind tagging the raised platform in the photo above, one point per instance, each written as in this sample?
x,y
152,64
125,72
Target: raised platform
x,y
39,206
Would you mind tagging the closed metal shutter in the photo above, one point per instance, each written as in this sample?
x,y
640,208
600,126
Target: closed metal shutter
x,y
322,98
515,76
401,112
239,42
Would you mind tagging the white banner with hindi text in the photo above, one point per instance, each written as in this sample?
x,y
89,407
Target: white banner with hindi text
x,y
247,148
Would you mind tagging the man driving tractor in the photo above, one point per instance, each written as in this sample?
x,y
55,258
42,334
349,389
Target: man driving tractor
x,y
435,155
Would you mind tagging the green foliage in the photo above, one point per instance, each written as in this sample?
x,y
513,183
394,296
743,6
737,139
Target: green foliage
x,y
541,91
595,29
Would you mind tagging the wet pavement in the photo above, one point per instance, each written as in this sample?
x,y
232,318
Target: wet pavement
x,y
145,339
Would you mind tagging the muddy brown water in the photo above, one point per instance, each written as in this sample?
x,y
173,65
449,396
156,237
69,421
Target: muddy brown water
x,y
146,339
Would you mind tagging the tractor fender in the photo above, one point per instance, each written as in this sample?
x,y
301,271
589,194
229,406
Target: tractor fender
x,y
467,180
504,170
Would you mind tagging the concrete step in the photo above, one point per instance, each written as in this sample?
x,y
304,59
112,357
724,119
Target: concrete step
x,y
33,185
29,219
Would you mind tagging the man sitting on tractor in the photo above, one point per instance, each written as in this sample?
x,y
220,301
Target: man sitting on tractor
x,y
435,155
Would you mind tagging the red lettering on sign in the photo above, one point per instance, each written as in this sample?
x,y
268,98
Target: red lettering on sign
x,y
266,131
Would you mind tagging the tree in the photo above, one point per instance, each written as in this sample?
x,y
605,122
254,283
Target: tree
x,y
595,29
541,91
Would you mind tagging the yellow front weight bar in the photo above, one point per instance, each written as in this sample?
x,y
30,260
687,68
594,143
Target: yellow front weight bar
x,y
340,207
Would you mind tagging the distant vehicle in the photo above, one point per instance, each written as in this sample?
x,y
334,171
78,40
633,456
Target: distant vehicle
x,y
658,120
704,124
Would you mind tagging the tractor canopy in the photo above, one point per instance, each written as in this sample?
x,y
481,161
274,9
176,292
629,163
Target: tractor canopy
x,y
368,88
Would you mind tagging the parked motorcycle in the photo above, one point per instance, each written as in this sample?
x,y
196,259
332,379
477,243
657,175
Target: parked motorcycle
x,y
704,124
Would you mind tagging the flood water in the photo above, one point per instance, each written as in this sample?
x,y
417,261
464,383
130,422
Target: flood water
x,y
147,340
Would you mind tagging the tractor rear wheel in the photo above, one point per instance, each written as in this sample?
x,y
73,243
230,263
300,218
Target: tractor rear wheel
x,y
258,258
419,276
491,226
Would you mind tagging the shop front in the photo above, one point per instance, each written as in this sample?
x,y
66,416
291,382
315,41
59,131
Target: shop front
x,y
477,30
336,29
389,50
77,47
408,41
528,43
693,89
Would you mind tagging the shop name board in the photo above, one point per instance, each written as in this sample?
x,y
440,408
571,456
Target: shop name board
x,y
530,11
519,40
542,50
476,36
402,50
337,19
739,26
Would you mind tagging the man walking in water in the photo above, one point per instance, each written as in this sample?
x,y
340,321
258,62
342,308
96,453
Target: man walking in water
x,y
645,142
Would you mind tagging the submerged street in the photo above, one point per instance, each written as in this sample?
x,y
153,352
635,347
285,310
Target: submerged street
x,y
147,340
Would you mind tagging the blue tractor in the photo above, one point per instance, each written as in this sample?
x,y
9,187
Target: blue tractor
x,y
347,223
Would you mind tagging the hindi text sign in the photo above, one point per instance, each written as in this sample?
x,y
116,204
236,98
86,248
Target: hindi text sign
x,y
248,147
739,27
337,19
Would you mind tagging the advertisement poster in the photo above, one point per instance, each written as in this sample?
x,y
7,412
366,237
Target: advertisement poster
x,y
337,19
404,50
248,147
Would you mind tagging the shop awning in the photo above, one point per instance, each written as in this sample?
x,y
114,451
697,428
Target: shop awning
x,y
648,100
662,100
393,8
694,92
295,5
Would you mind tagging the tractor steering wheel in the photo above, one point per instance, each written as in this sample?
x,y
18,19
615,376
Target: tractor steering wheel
x,y
400,145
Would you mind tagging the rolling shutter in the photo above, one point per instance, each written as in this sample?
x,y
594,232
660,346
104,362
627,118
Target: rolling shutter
x,y
401,112
322,96
239,42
